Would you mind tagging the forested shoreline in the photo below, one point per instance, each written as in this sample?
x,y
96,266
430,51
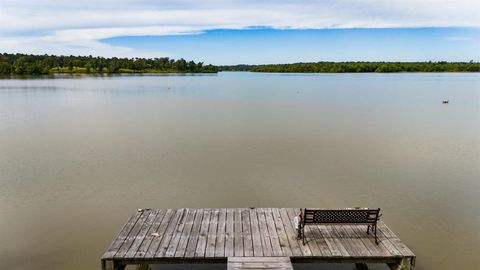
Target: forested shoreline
x,y
24,64
360,67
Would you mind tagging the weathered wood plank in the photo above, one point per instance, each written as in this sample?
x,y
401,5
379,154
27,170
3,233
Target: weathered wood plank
x,y
176,221
212,234
375,250
221,234
258,259
174,235
159,234
230,234
238,233
399,245
257,242
343,237
122,251
282,235
202,237
185,237
335,238
292,213
193,240
142,234
385,230
121,236
142,250
332,246
290,232
264,235
321,243
357,243
187,216
247,234
272,231
384,240
259,263
335,245
311,241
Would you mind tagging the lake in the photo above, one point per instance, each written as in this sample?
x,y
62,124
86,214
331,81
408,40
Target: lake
x,y
80,154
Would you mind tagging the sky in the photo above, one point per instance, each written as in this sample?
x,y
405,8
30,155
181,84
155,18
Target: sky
x,y
246,32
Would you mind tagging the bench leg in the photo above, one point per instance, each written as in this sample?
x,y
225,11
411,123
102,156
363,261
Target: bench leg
x,y
303,235
373,228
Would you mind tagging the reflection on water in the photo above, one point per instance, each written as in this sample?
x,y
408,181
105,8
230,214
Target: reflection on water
x,y
78,155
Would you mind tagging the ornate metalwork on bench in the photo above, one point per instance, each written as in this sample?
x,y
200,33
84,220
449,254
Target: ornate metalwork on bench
x,y
358,216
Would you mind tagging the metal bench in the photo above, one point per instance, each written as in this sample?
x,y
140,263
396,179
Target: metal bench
x,y
358,216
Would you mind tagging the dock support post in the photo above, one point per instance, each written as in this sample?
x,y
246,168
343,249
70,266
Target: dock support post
x,y
361,266
405,264
111,265
143,266
107,265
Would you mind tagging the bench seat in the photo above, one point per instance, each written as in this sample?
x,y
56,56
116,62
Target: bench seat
x,y
357,216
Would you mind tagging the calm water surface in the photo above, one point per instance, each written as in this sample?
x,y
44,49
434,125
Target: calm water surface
x,y
78,155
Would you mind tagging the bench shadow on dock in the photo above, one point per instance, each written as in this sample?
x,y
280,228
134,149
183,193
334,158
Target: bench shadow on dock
x,y
245,238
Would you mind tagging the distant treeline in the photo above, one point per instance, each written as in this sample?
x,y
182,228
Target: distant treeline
x,y
23,64
343,67
236,68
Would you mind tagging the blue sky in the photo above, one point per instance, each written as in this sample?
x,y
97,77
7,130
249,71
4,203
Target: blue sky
x,y
246,31
256,46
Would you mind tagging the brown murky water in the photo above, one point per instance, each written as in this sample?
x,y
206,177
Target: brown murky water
x,y
78,155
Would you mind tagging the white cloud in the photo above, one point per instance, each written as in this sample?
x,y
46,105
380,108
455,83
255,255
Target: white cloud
x,y
42,45
75,27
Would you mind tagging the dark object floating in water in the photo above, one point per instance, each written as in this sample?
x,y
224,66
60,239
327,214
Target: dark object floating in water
x,y
445,101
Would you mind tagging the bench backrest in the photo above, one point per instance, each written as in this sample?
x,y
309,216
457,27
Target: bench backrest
x,y
340,216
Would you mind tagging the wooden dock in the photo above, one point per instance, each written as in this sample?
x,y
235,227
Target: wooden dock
x,y
247,237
